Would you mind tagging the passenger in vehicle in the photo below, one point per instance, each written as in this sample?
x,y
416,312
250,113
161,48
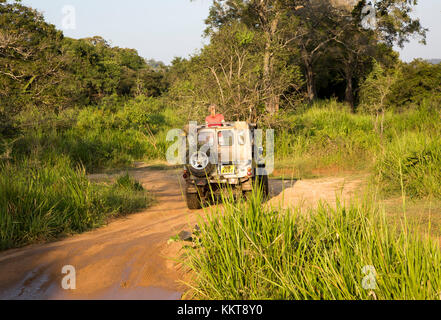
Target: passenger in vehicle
x,y
214,120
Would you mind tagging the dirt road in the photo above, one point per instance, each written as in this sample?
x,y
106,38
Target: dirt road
x,y
130,258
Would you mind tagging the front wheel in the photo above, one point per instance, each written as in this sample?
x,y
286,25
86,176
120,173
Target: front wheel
x,y
193,201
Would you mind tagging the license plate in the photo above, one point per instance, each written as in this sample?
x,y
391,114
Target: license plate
x,y
227,170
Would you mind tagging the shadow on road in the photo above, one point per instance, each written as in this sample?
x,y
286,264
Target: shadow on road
x,y
277,186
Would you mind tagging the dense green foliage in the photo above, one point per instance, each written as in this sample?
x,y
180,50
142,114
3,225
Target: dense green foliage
x,y
250,251
326,134
114,133
412,161
420,81
43,69
29,60
259,48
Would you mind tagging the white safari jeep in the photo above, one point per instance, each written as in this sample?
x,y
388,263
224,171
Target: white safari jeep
x,y
223,159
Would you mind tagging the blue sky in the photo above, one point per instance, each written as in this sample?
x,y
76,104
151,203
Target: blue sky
x,y
429,12
164,29
159,29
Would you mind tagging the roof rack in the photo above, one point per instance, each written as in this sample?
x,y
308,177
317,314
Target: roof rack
x,y
224,125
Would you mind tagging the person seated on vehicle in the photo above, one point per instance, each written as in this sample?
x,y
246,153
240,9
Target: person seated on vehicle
x,y
214,120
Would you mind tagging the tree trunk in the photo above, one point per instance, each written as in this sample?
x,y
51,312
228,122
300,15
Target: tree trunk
x,y
267,75
349,94
310,81
272,104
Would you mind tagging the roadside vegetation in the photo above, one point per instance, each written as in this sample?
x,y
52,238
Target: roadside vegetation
x,y
69,108
43,201
326,136
351,251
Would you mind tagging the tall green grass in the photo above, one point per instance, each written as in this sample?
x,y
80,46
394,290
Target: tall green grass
x,y
412,161
250,251
93,148
111,135
41,201
327,135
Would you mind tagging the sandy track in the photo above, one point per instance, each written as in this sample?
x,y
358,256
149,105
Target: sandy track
x,y
130,257
308,193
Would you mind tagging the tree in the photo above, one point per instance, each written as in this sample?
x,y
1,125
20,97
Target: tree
x,y
394,23
359,42
97,70
354,42
270,18
318,31
230,72
42,69
31,66
420,82
226,72
375,90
